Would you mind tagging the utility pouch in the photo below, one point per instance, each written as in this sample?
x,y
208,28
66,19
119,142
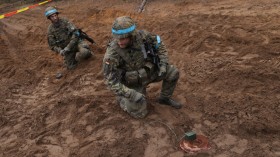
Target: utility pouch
x,y
150,67
143,76
131,77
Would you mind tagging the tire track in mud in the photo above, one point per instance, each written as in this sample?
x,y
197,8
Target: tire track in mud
x,y
11,41
12,57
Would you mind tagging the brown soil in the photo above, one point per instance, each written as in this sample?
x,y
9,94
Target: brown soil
x,y
228,54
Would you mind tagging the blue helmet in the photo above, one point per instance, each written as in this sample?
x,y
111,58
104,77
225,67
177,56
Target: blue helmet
x,y
49,11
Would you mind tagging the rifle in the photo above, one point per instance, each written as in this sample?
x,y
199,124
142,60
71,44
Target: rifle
x,y
152,52
83,35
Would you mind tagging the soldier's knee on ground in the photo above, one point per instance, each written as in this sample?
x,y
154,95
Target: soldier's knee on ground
x,y
83,55
136,110
84,51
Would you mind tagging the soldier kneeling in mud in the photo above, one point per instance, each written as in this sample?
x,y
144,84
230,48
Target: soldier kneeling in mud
x,y
134,59
64,38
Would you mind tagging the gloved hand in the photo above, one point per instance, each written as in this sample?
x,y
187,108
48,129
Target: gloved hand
x,y
162,70
137,96
64,51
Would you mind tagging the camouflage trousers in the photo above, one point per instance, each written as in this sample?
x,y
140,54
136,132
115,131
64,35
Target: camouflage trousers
x,y
139,110
78,53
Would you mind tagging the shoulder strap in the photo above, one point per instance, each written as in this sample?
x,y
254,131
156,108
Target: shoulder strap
x,y
123,53
143,45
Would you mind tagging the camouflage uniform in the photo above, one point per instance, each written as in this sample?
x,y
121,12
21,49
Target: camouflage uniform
x,y
131,69
63,35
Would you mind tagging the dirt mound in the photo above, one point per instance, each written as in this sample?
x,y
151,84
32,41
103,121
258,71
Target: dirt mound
x,y
228,55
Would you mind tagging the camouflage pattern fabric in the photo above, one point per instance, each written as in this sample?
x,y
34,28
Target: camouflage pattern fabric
x,y
118,62
62,35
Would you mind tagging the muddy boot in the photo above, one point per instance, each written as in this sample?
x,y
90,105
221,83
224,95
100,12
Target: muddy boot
x,y
72,65
70,61
169,101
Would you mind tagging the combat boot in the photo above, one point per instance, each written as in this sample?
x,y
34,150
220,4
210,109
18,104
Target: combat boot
x,y
169,101
72,66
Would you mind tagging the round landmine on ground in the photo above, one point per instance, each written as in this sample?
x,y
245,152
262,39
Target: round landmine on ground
x,y
191,146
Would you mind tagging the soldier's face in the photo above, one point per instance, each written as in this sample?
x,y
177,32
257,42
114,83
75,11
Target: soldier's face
x,y
124,42
54,18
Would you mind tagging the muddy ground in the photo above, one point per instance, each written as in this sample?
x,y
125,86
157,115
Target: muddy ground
x,y
228,54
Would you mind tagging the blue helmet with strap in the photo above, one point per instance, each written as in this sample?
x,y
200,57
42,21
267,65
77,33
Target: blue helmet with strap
x,y
123,27
49,11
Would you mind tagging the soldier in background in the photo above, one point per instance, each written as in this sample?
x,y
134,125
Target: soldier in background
x,y
134,59
64,39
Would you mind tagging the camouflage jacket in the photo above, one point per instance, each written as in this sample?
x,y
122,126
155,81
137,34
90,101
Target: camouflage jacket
x,y
61,36
118,62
